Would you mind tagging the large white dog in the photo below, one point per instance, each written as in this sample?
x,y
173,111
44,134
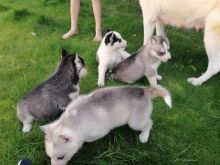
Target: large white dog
x,y
189,14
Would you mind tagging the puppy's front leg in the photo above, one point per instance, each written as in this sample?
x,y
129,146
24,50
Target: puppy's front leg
x,y
101,79
152,78
159,77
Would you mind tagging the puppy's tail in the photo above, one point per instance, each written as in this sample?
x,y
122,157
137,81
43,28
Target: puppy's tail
x,y
160,91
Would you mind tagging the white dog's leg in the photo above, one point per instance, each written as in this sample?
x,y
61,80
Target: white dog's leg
x,y
148,29
160,30
101,79
152,79
145,132
212,44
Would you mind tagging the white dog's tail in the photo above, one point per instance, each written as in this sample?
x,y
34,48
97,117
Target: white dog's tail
x,y
160,91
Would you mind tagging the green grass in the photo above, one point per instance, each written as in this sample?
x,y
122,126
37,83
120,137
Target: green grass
x,y
186,134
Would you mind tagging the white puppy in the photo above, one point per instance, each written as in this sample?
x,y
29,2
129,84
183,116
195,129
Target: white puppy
x,y
91,117
189,14
110,53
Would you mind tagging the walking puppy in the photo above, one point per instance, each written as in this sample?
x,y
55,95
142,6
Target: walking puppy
x,y
143,63
188,14
91,117
110,53
53,95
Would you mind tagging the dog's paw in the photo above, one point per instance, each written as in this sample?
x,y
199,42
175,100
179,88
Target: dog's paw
x,y
26,128
159,77
143,137
100,83
194,81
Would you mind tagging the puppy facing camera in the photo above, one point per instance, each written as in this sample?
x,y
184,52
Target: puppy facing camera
x,y
110,52
144,62
52,96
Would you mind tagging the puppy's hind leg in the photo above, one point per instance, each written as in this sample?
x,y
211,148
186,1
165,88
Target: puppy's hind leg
x,y
26,119
145,132
212,45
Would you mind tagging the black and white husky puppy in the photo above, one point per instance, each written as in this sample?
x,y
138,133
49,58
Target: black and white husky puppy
x,y
53,95
144,62
110,53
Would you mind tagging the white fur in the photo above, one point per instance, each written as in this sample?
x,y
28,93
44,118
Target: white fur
x,y
109,56
188,14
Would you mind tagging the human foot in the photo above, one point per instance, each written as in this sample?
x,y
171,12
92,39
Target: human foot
x,y
69,34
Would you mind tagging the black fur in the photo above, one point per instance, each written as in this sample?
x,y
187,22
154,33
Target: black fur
x,y
48,98
111,38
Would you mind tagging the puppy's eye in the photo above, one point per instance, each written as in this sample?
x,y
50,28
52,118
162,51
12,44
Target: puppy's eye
x,y
60,157
161,53
119,40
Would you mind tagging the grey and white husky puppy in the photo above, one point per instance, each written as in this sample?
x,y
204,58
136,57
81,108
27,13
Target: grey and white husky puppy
x,y
144,62
91,117
53,95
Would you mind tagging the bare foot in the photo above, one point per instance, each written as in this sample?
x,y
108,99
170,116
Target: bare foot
x,y
70,34
97,38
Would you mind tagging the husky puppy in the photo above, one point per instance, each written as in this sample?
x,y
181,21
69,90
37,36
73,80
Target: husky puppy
x,y
110,52
53,95
188,14
91,117
143,63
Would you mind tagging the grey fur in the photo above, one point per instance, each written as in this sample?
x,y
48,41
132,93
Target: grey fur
x,y
91,117
143,63
52,96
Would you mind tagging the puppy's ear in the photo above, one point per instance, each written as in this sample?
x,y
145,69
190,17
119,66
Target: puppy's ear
x,y
64,53
45,128
108,30
77,60
152,40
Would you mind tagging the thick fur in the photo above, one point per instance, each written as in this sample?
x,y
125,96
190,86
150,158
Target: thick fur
x,y
110,53
188,14
53,95
143,63
91,117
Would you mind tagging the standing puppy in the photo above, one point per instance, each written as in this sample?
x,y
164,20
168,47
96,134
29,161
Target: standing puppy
x,y
110,52
188,14
53,95
143,63
91,117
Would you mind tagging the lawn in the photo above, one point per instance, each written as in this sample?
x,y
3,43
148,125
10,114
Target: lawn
x,y
189,133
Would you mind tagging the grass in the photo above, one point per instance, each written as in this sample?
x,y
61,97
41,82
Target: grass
x,y
186,134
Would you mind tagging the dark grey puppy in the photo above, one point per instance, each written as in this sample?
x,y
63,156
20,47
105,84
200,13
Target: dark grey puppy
x,y
53,95
143,63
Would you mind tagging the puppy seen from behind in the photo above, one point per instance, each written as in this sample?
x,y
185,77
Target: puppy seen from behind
x,y
53,95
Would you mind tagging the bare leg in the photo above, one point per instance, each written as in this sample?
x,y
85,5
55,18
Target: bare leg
x,y
212,45
96,6
74,13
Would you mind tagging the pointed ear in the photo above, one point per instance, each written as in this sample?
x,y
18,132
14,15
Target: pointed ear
x,y
76,58
45,128
152,40
108,30
64,53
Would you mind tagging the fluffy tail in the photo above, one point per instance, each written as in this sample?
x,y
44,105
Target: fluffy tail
x,y
159,91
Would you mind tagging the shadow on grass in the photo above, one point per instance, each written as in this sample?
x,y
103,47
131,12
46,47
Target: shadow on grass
x,y
45,23
4,8
20,14
53,2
